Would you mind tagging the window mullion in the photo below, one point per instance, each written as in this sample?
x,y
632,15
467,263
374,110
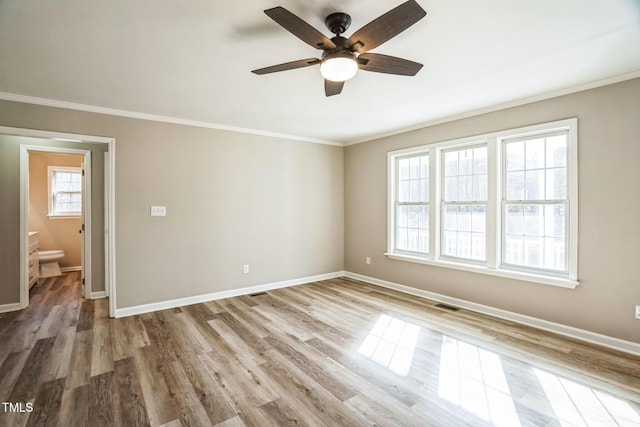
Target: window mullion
x,y
435,201
494,225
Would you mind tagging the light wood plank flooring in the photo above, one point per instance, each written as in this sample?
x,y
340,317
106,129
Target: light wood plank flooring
x,y
332,353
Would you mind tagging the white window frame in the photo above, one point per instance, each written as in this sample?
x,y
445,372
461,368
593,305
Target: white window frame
x,y
51,170
495,224
397,202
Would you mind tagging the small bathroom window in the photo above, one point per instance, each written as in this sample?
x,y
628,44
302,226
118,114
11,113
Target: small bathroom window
x,y
65,191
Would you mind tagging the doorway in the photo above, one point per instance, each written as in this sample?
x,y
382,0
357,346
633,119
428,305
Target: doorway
x,y
99,240
59,213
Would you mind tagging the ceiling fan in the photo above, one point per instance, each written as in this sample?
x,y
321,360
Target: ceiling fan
x,y
342,57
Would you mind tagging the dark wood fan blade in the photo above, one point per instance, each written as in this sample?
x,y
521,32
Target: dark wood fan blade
x,y
287,66
386,26
332,88
300,28
388,64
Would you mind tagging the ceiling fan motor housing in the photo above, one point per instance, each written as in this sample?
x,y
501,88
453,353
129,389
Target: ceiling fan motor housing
x,y
338,22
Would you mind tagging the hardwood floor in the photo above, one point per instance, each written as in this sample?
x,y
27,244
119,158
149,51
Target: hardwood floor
x,y
337,352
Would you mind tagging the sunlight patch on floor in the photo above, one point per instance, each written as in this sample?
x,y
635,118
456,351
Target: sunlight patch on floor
x,y
473,378
578,405
391,343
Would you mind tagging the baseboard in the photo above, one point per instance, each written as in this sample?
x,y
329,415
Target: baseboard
x,y
4,308
97,295
68,269
164,305
568,331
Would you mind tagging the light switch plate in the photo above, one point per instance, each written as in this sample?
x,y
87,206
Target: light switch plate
x,y
158,211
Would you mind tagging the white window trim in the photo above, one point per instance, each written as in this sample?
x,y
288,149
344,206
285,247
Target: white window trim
x,y
62,215
494,204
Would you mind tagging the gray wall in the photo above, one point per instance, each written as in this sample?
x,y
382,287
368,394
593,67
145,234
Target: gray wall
x,y
609,203
231,198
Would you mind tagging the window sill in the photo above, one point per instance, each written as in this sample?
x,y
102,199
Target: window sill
x,y
64,216
526,277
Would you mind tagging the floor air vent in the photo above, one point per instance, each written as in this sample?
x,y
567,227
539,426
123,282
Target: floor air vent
x,y
447,307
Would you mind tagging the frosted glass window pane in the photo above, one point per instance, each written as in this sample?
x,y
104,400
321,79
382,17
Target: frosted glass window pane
x,y
424,166
404,168
465,162
554,258
478,219
414,168
402,216
414,191
451,163
515,156
451,218
533,247
480,160
464,245
424,217
451,188
556,184
464,218
424,190
413,219
515,220
533,220
554,220
424,241
514,251
403,191
557,151
401,238
515,186
449,243
534,184
465,188
478,246
480,188
535,153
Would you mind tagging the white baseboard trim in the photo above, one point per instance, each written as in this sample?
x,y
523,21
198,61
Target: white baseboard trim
x,y
558,328
164,305
68,269
97,295
4,308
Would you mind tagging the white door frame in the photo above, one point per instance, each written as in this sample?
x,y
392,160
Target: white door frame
x,y
25,150
109,200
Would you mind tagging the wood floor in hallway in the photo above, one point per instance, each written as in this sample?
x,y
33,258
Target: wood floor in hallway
x,y
332,353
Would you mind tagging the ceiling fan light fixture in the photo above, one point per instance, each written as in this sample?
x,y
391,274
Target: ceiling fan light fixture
x,y
339,67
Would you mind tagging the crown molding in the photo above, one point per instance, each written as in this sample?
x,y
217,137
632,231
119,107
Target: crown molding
x,y
502,106
156,118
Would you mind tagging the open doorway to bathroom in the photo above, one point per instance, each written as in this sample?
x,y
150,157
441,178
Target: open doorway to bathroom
x,y
16,144
58,194
55,215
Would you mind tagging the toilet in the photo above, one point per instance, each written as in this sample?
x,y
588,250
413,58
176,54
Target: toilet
x,y
49,263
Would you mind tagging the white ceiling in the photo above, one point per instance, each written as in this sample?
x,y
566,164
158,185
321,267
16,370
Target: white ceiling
x,y
191,59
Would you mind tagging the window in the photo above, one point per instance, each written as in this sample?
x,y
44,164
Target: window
x,y
65,191
535,202
464,205
412,204
503,203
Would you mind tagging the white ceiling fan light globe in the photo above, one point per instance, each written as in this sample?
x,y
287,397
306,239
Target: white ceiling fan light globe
x,y
338,68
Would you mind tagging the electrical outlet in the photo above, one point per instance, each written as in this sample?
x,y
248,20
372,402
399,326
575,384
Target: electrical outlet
x,y
367,260
245,269
158,211
637,311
